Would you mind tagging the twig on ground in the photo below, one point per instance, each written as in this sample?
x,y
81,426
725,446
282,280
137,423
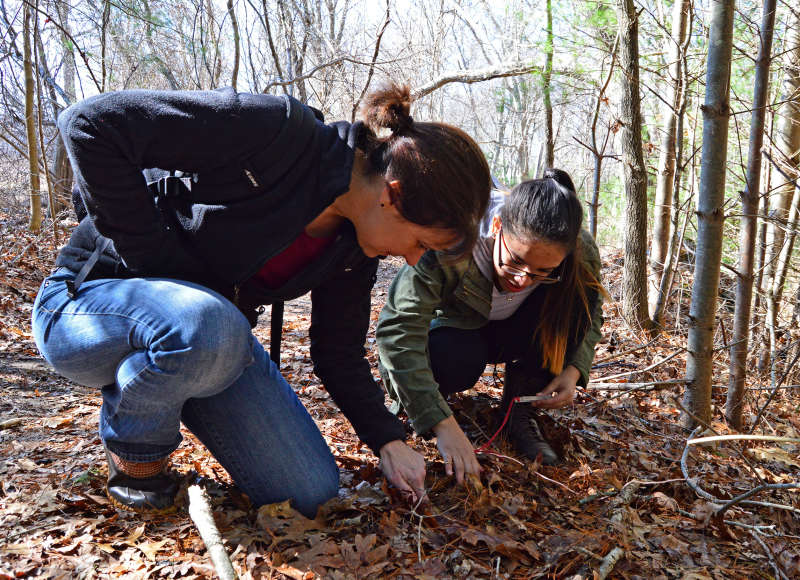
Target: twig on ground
x,y
755,490
419,526
623,353
779,573
638,387
603,386
774,506
558,483
716,434
758,528
608,563
651,367
203,518
487,452
745,436
690,481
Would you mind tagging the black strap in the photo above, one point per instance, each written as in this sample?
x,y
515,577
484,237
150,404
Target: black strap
x,y
276,332
74,284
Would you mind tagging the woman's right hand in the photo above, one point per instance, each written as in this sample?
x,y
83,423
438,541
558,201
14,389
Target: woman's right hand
x,y
404,468
457,451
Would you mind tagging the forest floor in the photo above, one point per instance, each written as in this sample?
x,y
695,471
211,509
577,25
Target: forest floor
x,y
622,489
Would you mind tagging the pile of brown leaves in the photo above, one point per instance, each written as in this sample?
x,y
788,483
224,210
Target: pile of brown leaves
x,y
619,505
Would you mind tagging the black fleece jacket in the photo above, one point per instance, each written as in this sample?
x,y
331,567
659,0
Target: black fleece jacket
x,y
259,168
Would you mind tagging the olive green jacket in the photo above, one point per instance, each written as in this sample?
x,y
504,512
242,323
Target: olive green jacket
x,y
436,293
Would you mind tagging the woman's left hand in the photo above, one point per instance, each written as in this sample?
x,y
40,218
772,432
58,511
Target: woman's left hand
x,y
561,390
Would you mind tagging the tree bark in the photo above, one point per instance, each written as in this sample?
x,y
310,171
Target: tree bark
x,y
235,27
676,239
634,273
35,221
749,223
68,66
666,162
103,35
787,141
547,75
710,213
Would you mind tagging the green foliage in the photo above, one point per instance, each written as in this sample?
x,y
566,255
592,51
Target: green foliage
x,y
600,15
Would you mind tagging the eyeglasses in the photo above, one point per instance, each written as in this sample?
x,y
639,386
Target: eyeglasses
x,y
512,271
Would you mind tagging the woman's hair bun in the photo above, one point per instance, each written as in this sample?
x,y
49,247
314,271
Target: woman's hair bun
x,y
561,177
388,107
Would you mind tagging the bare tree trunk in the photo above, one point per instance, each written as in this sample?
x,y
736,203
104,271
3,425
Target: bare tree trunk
x,y
57,198
594,205
547,76
761,254
68,66
787,137
666,160
710,213
634,274
599,153
749,223
275,58
103,34
675,240
35,222
62,169
37,58
235,26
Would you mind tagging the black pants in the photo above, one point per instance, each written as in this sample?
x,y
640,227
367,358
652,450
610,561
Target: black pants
x,y
458,357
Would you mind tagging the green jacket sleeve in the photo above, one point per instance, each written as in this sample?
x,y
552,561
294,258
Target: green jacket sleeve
x,y
581,358
402,338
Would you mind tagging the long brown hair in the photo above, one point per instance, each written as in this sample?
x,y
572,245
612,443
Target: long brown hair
x,y
443,174
548,210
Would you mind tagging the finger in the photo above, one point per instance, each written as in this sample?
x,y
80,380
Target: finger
x,y
397,480
418,484
474,465
552,403
549,389
448,464
420,495
458,463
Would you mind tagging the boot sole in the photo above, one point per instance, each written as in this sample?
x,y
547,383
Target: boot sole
x,y
143,511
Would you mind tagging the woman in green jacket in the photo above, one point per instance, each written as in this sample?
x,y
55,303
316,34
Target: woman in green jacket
x,y
529,296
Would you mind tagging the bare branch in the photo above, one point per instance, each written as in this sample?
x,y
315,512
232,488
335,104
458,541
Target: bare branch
x,y
475,76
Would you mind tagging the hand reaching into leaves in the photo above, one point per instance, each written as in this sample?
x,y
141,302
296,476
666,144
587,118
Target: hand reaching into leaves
x,y
457,451
404,468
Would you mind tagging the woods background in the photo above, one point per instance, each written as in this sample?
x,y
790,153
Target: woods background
x,y
678,121
631,98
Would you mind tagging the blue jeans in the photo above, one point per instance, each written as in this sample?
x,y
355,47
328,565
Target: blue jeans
x,y
164,351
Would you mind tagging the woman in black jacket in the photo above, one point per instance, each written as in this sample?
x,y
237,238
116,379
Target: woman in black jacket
x,y
255,201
